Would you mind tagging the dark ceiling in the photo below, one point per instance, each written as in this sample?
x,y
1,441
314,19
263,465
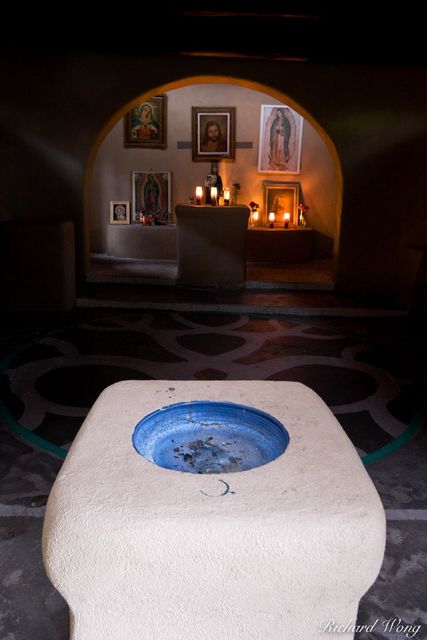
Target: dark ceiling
x,y
320,32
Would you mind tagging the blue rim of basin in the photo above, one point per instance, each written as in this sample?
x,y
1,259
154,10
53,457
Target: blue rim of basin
x,y
204,436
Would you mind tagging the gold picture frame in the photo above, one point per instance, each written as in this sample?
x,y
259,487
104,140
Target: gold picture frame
x,y
281,198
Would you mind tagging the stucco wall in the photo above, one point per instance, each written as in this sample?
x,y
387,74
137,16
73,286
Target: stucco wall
x,y
53,108
115,163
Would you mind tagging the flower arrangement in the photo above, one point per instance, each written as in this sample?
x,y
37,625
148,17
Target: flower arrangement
x,y
253,205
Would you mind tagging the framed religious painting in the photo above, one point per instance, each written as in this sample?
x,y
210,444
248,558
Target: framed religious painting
x,y
119,212
151,195
280,139
281,198
213,133
146,124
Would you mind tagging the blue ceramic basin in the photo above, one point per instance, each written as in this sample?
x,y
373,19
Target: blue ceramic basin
x,y
209,437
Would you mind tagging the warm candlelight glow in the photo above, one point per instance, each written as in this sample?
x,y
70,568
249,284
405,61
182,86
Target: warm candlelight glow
x,y
226,193
271,218
199,193
286,218
214,194
255,216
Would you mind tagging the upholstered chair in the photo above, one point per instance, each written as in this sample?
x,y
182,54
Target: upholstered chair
x,y
211,245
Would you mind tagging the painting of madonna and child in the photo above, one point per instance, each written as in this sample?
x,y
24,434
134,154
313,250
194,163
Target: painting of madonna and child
x,y
151,197
279,140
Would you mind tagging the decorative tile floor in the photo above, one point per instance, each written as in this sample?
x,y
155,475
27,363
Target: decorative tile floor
x,y
370,372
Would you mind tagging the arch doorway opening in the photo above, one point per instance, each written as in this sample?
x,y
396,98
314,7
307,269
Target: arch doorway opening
x,y
143,250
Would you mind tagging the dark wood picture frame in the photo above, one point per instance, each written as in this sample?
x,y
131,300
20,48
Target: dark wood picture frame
x,y
145,126
213,133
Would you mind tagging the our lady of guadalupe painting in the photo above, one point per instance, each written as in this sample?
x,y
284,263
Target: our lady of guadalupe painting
x,y
280,140
151,195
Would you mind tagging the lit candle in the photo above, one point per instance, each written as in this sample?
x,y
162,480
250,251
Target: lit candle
x,y
286,218
199,193
255,216
226,196
271,218
214,193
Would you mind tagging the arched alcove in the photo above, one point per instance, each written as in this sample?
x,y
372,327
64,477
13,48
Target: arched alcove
x,y
110,166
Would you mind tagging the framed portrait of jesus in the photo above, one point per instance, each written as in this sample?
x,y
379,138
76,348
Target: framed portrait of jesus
x,y
213,133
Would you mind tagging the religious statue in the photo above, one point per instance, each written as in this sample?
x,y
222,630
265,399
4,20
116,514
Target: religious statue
x,y
213,180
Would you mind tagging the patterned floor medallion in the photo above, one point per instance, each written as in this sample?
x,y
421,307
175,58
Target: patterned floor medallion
x,y
51,386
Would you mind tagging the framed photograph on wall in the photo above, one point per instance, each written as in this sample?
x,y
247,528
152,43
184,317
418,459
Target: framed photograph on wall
x,y
146,124
280,139
151,195
119,212
281,198
213,133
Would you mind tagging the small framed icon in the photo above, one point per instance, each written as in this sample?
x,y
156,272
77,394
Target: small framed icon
x,y
119,212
